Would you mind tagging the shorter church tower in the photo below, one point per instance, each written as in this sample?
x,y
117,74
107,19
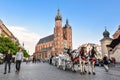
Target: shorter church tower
x,y
67,35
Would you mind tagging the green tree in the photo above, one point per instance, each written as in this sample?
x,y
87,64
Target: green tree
x,y
6,44
25,53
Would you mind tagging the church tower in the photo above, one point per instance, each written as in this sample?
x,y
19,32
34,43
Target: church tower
x,y
58,34
67,35
104,42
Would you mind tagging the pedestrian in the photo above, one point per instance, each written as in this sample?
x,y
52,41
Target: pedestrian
x,y
106,62
7,59
18,59
27,60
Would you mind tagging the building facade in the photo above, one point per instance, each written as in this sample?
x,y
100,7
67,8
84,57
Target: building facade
x,y
4,31
55,43
115,46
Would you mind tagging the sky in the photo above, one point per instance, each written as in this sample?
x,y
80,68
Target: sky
x,y
30,20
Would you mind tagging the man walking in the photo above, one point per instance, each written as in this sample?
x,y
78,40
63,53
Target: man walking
x,y
106,62
18,59
7,59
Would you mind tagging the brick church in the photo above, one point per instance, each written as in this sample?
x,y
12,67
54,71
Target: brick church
x,y
56,42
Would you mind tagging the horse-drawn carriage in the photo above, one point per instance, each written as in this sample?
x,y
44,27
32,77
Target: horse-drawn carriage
x,y
63,61
67,61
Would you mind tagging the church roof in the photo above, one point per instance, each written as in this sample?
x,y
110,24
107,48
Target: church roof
x,y
45,49
46,39
58,16
67,24
106,34
114,43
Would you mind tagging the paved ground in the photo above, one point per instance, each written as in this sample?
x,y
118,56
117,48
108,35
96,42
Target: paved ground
x,y
44,71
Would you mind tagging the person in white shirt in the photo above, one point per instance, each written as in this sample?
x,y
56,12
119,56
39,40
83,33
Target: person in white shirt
x,y
18,59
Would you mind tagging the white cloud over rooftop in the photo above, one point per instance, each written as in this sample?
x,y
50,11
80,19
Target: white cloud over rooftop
x,y
29,39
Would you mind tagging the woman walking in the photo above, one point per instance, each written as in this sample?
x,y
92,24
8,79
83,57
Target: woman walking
x,y
7,59
18,59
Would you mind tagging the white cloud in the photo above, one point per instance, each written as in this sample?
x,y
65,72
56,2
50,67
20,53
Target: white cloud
x,y
30,39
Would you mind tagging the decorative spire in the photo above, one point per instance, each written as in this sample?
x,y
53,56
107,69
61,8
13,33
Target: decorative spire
x,y
106,33
66,21
58,12
58,16
67,24
105,28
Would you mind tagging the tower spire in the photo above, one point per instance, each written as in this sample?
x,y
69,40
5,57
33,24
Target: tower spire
x,y
106,33
58,16
105,28
58,12
67,21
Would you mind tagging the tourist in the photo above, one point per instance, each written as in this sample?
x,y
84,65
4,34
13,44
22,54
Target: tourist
x,y
7,59
18,59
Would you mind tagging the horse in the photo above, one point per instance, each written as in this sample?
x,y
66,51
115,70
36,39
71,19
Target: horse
x,y
82,60
74,57
75,60
92,60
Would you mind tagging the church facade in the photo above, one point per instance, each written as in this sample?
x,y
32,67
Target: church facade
x,y
56,42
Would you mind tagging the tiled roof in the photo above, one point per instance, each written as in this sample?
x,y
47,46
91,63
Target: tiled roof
x,y
114,42
45,49
46,39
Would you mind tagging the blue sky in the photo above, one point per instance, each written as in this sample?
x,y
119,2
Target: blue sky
x,y
88,18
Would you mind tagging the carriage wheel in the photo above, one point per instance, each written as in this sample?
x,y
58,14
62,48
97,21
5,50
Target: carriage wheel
x,y
64,68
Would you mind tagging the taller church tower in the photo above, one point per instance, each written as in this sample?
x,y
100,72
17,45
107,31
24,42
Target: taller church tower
x,y
58,34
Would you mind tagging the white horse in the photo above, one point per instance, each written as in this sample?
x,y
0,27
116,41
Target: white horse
x,y
75,60
82,60
91,61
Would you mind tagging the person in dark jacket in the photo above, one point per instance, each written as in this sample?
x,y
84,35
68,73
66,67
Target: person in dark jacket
x,y
106,62
7,59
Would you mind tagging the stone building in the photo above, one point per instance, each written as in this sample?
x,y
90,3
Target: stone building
x,y
56,42
4,31
104,42
114,46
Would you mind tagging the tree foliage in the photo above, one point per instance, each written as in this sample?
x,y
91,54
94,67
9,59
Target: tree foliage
x,y
25,53
6,44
